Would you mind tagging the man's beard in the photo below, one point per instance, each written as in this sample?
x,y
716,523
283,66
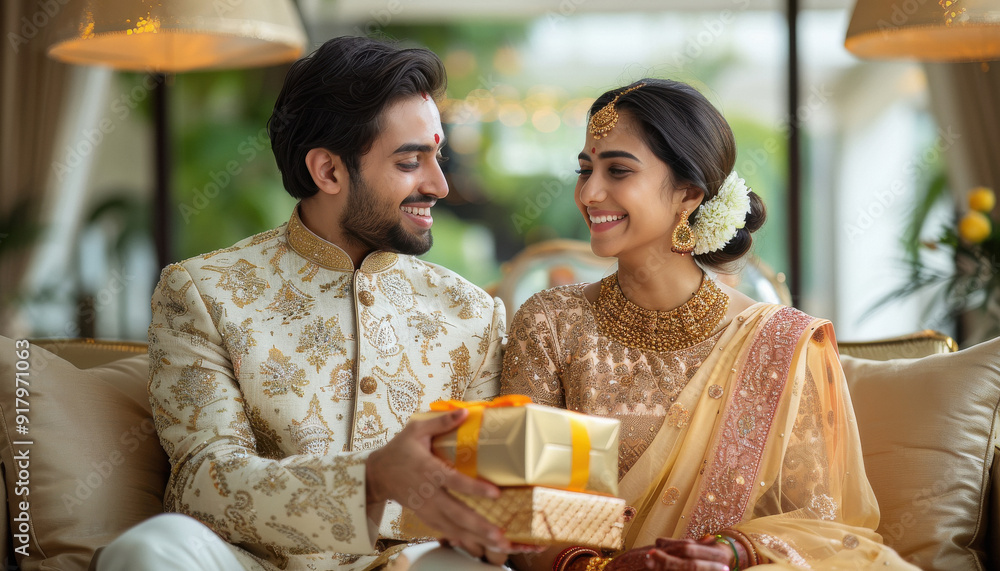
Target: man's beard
x,y
378,225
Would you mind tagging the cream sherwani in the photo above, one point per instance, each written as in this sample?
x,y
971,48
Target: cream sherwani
x,y
276,367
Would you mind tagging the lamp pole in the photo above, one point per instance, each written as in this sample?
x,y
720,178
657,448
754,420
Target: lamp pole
x,y
161,185
794,158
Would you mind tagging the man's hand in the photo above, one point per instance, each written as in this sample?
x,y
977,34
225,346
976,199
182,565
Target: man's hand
x,y
406,471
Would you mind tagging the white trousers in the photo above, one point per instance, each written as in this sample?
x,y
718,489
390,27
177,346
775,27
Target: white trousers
x,y
171,542
175,542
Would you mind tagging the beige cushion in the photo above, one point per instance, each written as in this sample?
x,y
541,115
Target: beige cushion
x,y
95,464
927,429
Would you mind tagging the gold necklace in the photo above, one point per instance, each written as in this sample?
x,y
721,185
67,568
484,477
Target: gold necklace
x,y
661,331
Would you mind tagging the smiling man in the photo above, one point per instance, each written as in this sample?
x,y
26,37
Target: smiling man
x,y
284,369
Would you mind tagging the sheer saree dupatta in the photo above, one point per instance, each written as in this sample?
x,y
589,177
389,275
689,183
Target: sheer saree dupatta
x,y
763,440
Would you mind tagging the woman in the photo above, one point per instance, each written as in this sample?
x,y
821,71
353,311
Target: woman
x,y
738,440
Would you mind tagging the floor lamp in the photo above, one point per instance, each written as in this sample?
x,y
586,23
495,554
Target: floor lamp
x,y
171,36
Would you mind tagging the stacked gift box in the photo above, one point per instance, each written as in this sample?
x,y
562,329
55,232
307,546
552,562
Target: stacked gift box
x,y
557,471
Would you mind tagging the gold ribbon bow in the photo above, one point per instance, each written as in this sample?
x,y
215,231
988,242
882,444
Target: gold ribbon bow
x,y
467,437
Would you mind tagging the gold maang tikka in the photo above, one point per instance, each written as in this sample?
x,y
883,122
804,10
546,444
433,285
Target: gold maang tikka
x,y
602,122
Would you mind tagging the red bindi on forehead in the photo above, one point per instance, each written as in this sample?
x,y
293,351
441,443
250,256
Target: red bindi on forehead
x,y
593,150
437,138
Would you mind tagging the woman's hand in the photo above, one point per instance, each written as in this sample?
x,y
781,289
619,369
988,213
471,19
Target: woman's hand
x,y
675,555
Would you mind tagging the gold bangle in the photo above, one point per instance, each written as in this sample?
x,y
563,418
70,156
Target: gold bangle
x,y
747,545
598,563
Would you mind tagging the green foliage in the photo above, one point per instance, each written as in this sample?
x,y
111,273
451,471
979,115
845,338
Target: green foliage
x,y
226,185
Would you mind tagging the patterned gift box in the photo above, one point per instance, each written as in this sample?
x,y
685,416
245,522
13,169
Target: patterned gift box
x,y
544,516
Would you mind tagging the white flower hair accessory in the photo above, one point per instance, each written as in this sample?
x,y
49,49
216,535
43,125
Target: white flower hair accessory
x,y
720,218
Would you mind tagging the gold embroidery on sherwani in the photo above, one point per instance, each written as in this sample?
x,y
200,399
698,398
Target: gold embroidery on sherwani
x,y
176,299
272,481
404,389
311,435
321,339
241,280
369,427
340,287
282,375
397,289
428,326
327,504
378,261
745,424
461,374
280,249
341,384
291,303
265,236
215,309
380,333
218,470
314,248
463,296
238,340
196,389
268,441
303,545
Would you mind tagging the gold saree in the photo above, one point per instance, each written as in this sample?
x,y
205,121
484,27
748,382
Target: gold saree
x,y
759,437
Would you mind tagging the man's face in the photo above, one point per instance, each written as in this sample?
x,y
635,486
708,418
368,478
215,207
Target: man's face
x,y
389,201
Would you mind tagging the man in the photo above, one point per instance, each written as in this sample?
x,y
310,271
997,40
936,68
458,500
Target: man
x,y
284,369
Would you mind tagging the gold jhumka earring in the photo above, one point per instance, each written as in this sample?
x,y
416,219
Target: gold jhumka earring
x,y
682,239
606,117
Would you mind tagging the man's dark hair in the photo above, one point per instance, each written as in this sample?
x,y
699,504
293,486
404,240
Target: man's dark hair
x,y
334,97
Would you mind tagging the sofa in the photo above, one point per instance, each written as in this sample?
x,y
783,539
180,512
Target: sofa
x,y
81,463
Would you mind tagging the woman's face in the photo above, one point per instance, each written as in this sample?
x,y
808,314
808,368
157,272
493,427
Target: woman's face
x,y
626,194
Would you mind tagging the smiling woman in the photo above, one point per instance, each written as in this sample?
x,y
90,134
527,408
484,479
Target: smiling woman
x,y
738,445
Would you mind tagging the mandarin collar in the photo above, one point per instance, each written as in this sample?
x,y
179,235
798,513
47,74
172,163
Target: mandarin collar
x,y
327,254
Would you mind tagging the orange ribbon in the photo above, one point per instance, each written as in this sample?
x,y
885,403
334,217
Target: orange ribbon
x,y
467,437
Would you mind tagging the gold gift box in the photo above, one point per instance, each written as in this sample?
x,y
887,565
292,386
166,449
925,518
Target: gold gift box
x,y
544,516
532,445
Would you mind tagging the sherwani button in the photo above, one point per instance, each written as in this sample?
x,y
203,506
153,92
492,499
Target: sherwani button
x,y
367,298
368,385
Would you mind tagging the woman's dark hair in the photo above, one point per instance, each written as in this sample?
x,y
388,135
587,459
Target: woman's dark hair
x,y
334,97
687,133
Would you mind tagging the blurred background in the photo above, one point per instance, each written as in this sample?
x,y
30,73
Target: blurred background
x,y
876,180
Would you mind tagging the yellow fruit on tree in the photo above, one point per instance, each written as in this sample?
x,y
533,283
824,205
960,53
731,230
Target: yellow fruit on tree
x,y
982,199
974,227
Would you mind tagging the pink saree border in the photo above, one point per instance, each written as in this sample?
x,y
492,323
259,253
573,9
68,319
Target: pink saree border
x,y
731,471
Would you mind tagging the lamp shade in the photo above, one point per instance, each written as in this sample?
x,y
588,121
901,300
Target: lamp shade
x,y
178,35
925,30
